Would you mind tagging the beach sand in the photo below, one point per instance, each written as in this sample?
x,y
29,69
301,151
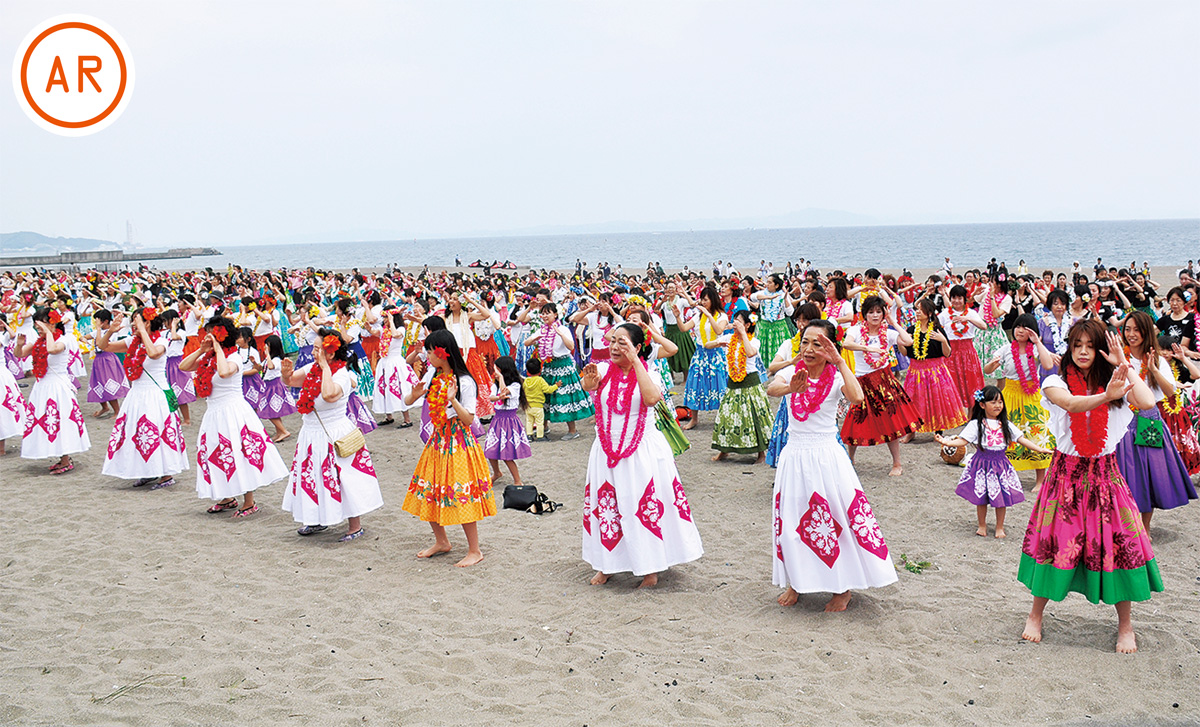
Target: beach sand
x,y
134,607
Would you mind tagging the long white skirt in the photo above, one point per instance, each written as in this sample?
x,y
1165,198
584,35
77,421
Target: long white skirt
x,y
147,437
636,516
324,489
233,453
394,379
55,426
13,409
825,535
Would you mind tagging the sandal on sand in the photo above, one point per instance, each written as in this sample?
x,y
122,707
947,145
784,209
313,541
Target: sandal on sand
x,y
144,481
569,436
247,511
312,529
222,507
351,536
404,425
389,420
165,483
63,470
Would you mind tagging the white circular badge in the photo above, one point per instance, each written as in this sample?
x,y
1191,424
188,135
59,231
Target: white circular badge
x,y
73,75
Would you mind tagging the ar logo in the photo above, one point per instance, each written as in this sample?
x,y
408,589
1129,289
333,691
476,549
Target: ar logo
x,y
73,75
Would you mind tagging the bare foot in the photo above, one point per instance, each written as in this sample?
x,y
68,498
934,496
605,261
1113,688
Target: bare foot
x,y
599,579
1033,630
281,437
982,532
436,549
719,456
649,581
788,597
838,602
762,457
1000,533
1126,641
470,560
896,471
496,475
684,425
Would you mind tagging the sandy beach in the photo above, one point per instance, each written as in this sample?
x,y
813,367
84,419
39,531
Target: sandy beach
x,y
129,606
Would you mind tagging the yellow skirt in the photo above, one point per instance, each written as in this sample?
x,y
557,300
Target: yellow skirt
x,y
452,484
848,357
1026,413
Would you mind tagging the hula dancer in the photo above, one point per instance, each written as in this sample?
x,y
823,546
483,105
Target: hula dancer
x,y
928,382
54,424
451,484
554,344
994,305
886,413
636,516
1147,457
1082,535
960,324
826,536
1017,365
706,380
743,423
673,305
772,326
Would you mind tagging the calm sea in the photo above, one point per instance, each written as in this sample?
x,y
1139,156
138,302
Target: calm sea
x,y
1043,244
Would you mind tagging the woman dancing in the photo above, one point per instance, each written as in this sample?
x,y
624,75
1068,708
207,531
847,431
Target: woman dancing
x,y
929,383
636,516
706,379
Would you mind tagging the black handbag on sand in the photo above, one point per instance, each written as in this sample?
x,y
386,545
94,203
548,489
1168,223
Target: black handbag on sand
x,y
527,498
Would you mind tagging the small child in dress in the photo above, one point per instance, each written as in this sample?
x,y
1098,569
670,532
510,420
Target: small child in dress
x,y
535,389
107,384
989,479
506,439
276,401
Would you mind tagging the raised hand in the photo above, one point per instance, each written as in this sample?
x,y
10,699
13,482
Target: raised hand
x,y
591,376
286,368
1116,350
452,388
799,382
1118,385
829,351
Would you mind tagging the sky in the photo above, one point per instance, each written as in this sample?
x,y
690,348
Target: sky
x,y
285,121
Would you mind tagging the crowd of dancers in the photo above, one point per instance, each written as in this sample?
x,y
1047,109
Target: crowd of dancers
x,y
1092,392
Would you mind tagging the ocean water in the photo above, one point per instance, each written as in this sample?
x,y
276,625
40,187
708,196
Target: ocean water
x,y
1042,245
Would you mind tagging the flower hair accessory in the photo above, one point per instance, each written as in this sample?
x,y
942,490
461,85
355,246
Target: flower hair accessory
x,y
55,317
979,396
149,314
219,333
331,343
441,353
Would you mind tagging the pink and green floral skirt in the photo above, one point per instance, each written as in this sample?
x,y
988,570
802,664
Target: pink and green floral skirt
x,y
1085,535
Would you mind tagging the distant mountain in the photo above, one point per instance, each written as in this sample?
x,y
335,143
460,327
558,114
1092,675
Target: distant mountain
x,y
32,243
810,217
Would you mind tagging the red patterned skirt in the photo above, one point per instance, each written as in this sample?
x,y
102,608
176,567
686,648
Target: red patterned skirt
x,y
483,379
886,412
931,388
1180,426
488,351
965,369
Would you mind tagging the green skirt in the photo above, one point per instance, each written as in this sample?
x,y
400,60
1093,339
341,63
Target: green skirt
x,y
771,335
570,402
744,419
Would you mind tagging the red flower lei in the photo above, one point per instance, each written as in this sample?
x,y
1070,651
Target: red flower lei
x,y
39,355
1089,430
959,329
875,360
619,401
809,398
135,357
206,371
1028,378
312,386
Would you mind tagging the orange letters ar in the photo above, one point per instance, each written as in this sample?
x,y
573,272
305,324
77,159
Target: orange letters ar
x,y
59,78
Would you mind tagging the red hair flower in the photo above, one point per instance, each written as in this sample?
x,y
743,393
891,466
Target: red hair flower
x,y
331,343
149,314
441,353
55,317
219,333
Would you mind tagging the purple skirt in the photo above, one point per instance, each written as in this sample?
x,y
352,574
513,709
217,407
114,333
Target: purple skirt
x,y
107,381
1157,477
276,401
990,479
358,412
506,439
253,390
181,381
13,363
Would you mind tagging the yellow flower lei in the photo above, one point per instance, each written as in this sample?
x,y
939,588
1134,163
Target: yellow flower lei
x,y
1174,404
796,339
735,357
921,341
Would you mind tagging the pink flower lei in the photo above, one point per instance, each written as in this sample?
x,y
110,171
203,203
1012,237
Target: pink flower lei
x,y
809,399
620,386
1028,378
545,347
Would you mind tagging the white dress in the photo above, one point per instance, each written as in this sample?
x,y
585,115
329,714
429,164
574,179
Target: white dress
x,y
55,423
826,537
147,437
13,409
636,516
394,379
233,454
322,488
